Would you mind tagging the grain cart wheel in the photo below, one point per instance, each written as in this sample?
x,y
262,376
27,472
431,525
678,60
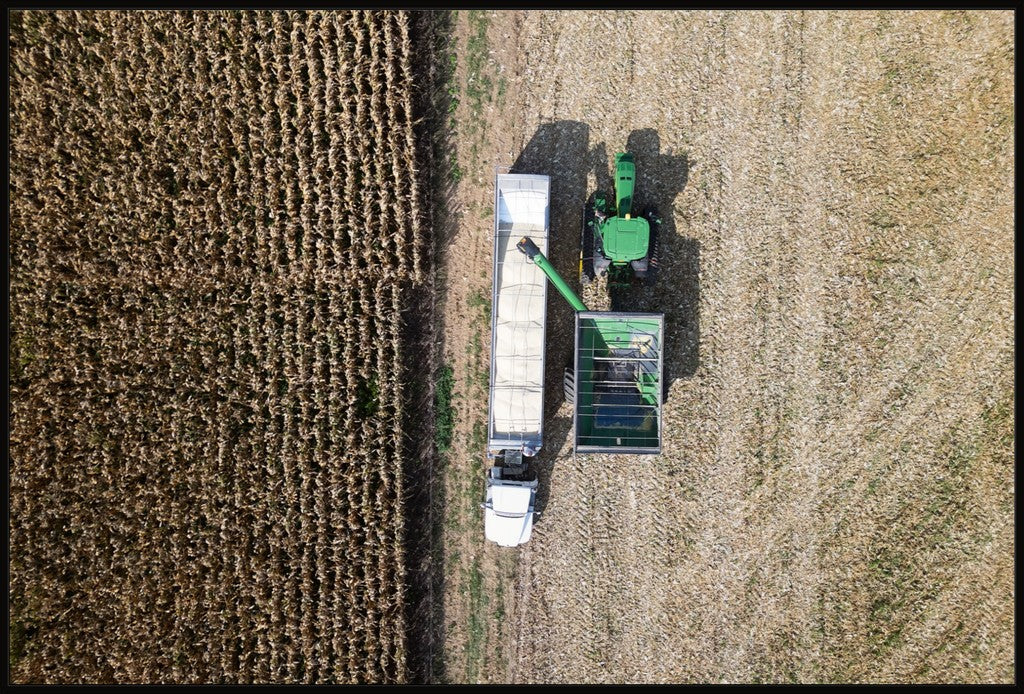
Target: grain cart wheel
x,y
569,385
587,246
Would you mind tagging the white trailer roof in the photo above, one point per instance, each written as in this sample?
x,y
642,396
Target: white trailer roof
x,y
518,312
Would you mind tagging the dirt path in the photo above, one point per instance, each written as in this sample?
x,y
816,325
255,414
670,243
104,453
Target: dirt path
x,y
478,576
835,492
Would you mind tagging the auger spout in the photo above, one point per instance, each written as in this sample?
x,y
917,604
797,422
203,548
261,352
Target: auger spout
x,y
527,246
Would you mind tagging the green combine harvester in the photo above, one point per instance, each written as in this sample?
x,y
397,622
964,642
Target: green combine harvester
x,y
615,242
615,382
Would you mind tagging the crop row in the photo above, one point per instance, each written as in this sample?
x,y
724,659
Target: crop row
x,y
215,223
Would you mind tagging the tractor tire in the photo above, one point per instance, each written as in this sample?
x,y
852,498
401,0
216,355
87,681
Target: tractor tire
x,y
569,385
601,263
654,221
587,246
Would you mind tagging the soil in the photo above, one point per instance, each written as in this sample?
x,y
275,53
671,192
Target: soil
x,y
834,501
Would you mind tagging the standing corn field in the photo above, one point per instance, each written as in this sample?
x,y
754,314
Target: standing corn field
x,y
215,222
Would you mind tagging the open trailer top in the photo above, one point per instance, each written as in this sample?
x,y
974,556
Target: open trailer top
x,y
518,301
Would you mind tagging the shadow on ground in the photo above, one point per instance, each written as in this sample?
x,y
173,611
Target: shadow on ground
x,y
425,503
660,177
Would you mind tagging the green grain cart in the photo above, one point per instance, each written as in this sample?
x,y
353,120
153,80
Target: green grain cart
x,y
615,382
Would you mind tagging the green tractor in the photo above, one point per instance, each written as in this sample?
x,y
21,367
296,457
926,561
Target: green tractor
x,y
614,241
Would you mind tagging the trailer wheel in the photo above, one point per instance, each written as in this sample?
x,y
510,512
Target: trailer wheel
x,y
569,385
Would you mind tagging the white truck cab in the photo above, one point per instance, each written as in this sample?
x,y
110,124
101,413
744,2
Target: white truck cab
x,y
509,509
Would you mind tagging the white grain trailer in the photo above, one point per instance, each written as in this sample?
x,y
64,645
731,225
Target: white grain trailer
x,y
515,418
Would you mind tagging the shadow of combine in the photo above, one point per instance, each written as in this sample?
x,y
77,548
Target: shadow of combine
x,y
562,150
